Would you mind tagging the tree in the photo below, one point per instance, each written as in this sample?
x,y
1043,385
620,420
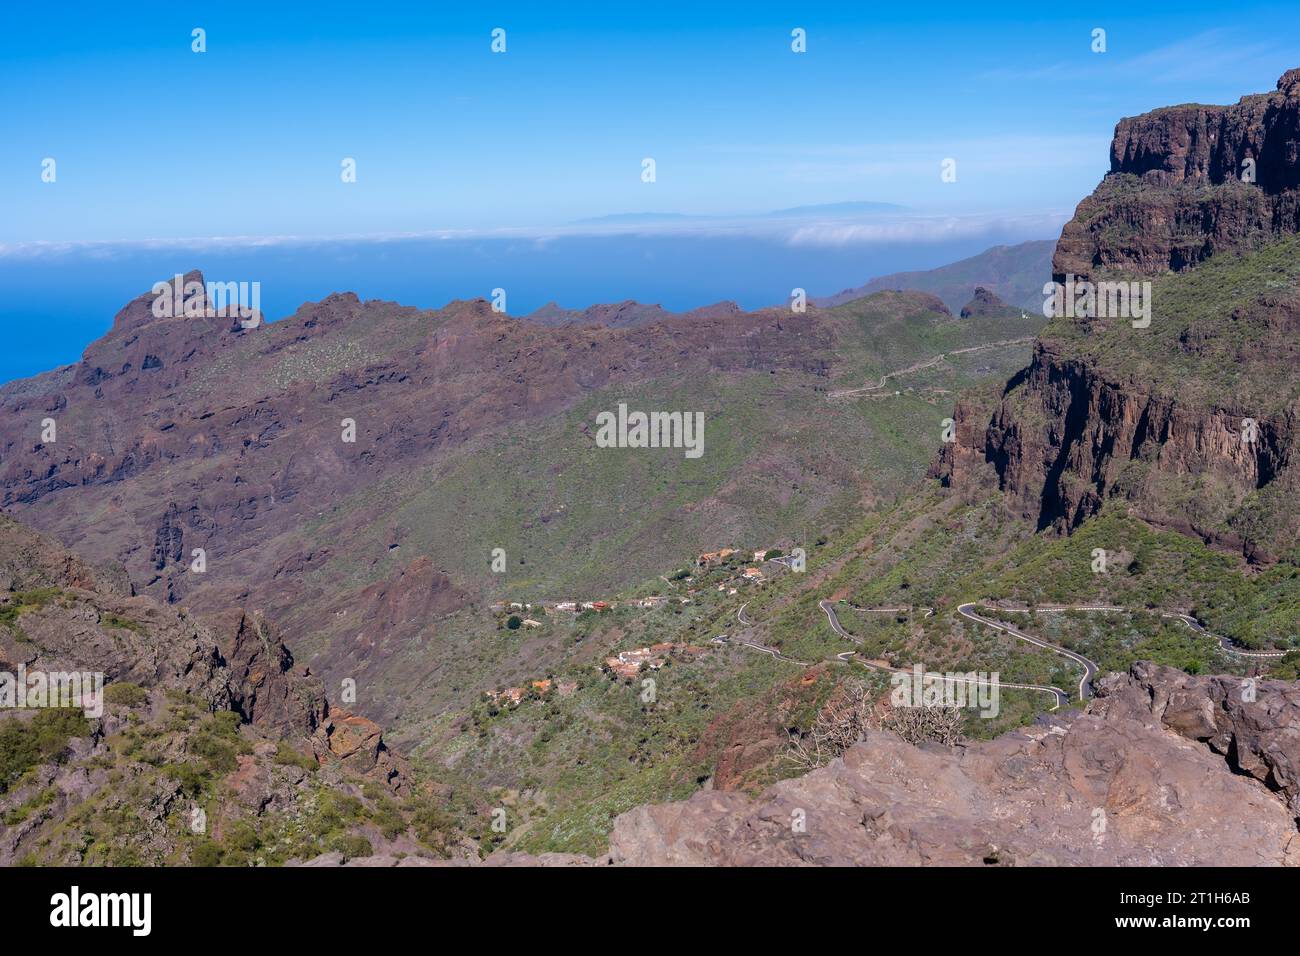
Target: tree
x,y
919,724
514,622
838,726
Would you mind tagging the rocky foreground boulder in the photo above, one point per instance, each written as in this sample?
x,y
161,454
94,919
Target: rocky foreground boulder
x,y
1254,725
1163,769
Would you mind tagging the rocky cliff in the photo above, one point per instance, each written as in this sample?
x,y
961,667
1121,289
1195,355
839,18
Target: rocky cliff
x,y
1187,182
1189,419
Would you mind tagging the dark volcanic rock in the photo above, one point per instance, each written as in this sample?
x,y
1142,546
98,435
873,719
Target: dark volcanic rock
x,y
1062,439
1087,421
983,304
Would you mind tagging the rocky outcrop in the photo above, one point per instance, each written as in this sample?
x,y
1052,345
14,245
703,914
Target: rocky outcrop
x,y
1187,182
1204,394
269,690
1162,770
985,304
1254,725
358,744
417,592
67,616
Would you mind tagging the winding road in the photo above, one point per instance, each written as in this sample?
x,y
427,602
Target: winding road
x,y
1089,668
967,610
1224,643
928,363
1062,699
1196,625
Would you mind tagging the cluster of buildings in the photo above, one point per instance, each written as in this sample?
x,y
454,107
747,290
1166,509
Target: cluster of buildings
x,y
573,607
705,560
751,575
713,559
514,696
628,664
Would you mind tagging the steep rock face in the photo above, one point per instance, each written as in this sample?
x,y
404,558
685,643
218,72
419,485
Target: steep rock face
x,y
1068,434
1175,193
269,690
358,744
1128,783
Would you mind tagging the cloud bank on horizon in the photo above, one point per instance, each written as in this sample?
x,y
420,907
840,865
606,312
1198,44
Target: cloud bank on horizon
x,y
807,228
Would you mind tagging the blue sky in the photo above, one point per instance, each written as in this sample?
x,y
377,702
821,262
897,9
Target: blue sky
x,y
153,141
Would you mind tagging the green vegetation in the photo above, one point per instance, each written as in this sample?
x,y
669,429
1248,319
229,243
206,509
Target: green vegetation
x,y
125,694
184,759
39,800
23,602
1155,569
1210,341
286,755
26,743
116,620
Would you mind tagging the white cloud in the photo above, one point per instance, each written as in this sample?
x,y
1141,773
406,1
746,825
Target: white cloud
x,y
934,229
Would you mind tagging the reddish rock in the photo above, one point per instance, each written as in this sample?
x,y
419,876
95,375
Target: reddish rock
x,y
358,744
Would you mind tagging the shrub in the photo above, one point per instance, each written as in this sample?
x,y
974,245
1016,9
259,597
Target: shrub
x,y
350,845
190,777
26,743
206,853
126,694
286,755
125,623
